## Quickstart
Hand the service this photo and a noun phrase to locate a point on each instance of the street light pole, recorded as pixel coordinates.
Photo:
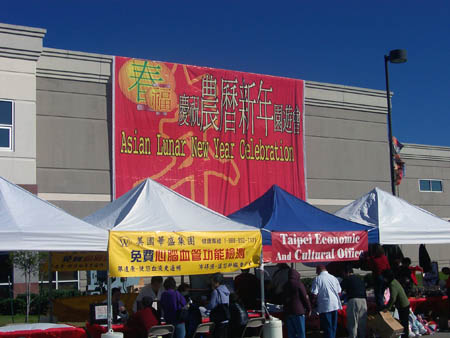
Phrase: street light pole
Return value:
(395, 56)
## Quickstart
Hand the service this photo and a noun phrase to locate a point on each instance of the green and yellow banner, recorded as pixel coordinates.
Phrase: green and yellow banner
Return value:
(138, 254)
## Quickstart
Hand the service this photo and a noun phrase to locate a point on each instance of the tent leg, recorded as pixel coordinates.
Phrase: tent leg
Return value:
(262, 287)
(50, 289)
(109, 300)
(11, 296)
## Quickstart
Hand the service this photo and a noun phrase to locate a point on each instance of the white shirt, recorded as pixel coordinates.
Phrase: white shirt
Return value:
(147, 291)
(327, 289)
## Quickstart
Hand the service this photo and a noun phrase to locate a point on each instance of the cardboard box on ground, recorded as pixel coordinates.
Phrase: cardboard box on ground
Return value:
(385, 325)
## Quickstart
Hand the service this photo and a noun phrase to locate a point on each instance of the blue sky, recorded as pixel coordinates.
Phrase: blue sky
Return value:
(340, 42)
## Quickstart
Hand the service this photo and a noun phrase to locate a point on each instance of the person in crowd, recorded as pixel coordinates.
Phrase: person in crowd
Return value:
(247, 288)
(172, 302)
(296, 305)
(141, 321)
(153, 290)
(412, 269)
(238, 317)
(431, 278)
(184, 288)
(396, 267)
(446, 271)
(378, 263)
(119, 310)
(194, 316)
(279, 279)
(120, 313)
(355, 290)
(326, 291)
(398, 299)
(407, 277)
(219, 295)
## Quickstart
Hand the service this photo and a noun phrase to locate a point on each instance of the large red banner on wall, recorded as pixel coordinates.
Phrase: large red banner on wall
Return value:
(219, 137)
(310, 247)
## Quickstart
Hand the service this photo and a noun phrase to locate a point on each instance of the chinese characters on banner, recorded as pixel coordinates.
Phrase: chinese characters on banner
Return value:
(221, 138)
(136, 254)
(74, 261)
(308, 247)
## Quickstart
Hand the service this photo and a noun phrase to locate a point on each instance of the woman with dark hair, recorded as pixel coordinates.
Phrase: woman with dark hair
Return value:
(171, 303)
(378, 263)
(296, 305)
(141, 321)
(398, 299)
(219, 296)
(238, 316)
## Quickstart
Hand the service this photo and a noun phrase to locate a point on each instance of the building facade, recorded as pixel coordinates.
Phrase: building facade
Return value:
(57, 138)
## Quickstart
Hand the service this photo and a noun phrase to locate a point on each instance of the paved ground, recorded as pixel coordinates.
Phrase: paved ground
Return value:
(436, 335)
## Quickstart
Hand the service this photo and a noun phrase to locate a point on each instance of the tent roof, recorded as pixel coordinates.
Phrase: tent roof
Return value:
(398, 221)
(151, 206)
(278, 210)
(30, 223)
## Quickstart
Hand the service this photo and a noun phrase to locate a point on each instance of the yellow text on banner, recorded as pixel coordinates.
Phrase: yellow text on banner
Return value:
(76, 260)
(138, 254)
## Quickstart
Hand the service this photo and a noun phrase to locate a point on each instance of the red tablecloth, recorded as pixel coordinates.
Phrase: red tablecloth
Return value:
(67, 332)
(251, 314)
(437, 304)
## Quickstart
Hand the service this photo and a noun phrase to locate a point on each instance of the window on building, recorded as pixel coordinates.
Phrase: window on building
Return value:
(430, 185)
(67, 280)
(6, 125)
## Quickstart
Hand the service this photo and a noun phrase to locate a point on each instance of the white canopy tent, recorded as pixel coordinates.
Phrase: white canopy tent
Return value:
(151, 206)
(28, 223)
(397, 221)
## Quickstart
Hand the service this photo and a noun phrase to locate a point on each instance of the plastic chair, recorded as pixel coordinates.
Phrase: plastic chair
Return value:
(256, 325)
(204, 329)
(165, 331)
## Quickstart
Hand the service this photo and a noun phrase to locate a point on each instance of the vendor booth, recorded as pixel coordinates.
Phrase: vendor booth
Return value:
(395, 221)
(154, 231)
(295, 231)
(277, 211)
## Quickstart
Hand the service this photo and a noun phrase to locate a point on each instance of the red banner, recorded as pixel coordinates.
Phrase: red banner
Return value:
(318, 246)
(221, 138)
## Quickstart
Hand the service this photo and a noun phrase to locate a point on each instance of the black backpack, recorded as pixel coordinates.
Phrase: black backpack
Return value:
(220, 313)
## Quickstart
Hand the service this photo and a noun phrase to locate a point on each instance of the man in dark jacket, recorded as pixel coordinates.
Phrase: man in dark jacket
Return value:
(296, 305)
(247, 288)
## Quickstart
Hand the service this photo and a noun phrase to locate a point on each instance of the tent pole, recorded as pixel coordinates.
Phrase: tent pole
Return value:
(262, 286)
(109, 300)
(108, 291)
(50, 288)
(11, 297)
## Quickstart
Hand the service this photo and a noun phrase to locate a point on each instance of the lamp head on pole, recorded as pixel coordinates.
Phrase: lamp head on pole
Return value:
(397, 56)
